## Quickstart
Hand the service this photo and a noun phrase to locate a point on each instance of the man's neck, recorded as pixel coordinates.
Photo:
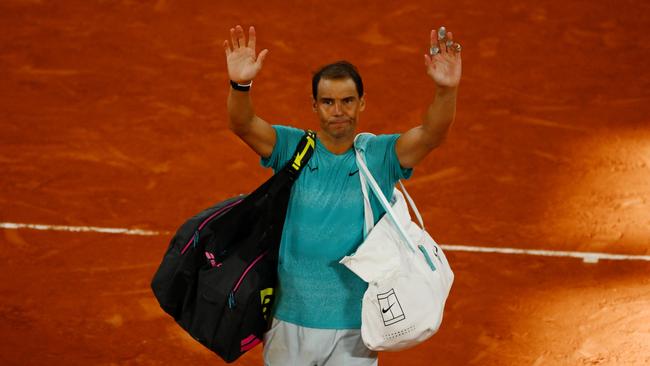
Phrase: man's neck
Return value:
(335, 145)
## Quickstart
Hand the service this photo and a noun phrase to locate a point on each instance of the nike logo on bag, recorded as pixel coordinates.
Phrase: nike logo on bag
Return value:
(385, 310)
(353, 173)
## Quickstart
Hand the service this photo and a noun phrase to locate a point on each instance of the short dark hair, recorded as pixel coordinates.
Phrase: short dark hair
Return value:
(337, 70)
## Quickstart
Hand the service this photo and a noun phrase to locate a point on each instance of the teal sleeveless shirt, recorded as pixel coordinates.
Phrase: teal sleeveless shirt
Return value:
(324, 223)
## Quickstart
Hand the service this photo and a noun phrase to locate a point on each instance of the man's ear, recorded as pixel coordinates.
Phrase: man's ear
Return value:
(314, 105)
(362, 103)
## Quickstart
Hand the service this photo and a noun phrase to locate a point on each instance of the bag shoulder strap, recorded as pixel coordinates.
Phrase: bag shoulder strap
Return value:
(360, 142)
(412, 204)
(367, 177)
(301, 156)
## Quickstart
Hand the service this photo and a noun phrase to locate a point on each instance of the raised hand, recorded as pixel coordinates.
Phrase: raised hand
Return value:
(443, 62)
(243, 63)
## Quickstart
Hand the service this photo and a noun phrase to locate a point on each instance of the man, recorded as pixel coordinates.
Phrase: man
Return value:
(317, 314)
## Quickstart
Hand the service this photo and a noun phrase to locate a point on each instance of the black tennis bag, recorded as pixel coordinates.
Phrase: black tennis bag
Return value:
(218, 276)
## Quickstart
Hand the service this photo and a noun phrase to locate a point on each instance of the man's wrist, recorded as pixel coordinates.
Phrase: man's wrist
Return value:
(241, 87)
(446, 91)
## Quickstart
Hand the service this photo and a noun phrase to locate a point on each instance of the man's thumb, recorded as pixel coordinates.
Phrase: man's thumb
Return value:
(261, 57)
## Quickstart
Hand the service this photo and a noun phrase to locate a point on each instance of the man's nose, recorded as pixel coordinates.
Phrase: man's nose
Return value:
(338, 108)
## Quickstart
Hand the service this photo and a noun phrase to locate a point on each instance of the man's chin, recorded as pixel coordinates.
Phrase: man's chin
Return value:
(340, 130)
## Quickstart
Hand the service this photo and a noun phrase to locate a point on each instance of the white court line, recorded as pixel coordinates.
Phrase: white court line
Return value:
(588, 257)
(95, 229)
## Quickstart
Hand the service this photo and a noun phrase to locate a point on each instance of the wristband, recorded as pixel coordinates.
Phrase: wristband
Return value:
(241, 87)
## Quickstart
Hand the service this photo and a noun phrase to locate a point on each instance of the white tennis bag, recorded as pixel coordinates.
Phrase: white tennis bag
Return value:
(408, 275)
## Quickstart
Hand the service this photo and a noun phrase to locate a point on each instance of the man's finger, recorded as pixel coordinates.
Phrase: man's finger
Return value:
(449, 43)
(241, 38)
(442, 33)
(226, 47)
(441, 39)
(261, 57)
(251, 38)
(434, 48)
(233, 40)
(429, 64)
(453, 47)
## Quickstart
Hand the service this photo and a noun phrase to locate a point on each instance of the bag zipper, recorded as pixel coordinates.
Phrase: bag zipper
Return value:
(231, 296)
(195, 238)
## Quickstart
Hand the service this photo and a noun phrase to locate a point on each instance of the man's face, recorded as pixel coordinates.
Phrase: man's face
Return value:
(338, 106)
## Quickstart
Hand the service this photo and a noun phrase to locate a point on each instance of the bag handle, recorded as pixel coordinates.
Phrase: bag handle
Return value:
(412, 204)
(368, 216)
(363, 169)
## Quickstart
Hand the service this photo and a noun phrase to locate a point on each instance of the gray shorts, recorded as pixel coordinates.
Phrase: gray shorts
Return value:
(289, 344)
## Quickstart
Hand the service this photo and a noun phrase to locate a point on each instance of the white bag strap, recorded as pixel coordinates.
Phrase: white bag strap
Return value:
(417, 213)
(368, 217)
(412, 204)
(363, 169)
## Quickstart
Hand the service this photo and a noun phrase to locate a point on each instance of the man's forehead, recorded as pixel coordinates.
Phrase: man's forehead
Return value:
(337, 88)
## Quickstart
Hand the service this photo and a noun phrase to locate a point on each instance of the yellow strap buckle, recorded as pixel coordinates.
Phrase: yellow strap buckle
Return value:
(297, 162)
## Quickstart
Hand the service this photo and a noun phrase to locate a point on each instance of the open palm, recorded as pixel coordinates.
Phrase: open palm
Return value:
(242, 61)
(445, 65)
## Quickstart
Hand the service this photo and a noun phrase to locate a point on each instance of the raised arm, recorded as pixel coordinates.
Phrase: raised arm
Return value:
(243, 65)
(443, 65)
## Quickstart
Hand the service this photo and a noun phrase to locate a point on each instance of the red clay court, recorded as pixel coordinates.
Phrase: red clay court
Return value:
(113, 116)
